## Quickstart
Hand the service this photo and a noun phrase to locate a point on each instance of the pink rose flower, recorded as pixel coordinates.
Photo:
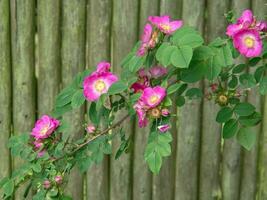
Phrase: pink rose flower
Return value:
(164, 24)
(243, 22)
(248, 42)
(90, 128)
(44, 127)
(148, 40)
(164, 128)
(261, 26)
(158, 71)
(141, 114)
(152, 97)
(98, 82)
(143, 81)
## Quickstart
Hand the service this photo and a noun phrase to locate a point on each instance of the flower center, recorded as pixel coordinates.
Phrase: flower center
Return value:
(153, 99)
(100, 85)
(44, 130)
(166, 27)
(155, 112)
(249, 42)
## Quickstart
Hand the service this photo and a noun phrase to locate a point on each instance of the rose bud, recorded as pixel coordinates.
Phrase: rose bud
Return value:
(46, 184)
(58, 179)
(90, 128)
(165, 112)
(164, 128)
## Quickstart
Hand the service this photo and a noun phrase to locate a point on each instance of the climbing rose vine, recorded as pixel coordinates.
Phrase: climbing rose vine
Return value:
(158, 74)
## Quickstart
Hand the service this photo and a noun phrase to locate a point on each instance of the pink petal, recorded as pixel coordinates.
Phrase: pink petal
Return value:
(246, 19)
(103, 67)
(176, 25)
(233, 29)
(147, 33)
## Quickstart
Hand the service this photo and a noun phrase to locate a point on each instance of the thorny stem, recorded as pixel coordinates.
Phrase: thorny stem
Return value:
(95, 137)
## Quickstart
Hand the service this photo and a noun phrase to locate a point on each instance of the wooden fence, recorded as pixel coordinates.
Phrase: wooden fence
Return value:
(44, 43)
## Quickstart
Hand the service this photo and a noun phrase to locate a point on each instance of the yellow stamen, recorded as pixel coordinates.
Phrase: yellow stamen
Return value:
(153, 99)
(100, 85)
(166, 27)
(249, 41)
(44, 130)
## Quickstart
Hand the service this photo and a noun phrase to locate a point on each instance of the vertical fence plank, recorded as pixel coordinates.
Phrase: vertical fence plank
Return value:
(189, 123)
(249, 159)
(164, 183)
(260, 9)
(209, 184)
(73, 61)
(5, 87)
(98, 41)
(23, 80)
(48, 71)
(125, 26)
(231, 162)
(142, 186)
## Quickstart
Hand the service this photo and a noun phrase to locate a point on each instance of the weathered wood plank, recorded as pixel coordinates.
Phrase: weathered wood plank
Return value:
(164, 183)
(231, 162)
(209, 184)
(73, 61)
(48, 70)
(124, 36)
(188, 123)
(98, 48)
(23, 78)
(142, 177)
(260, 9)
(5, 87)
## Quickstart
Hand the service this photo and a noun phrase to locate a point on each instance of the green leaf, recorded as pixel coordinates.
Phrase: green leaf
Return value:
(247, 80)
(250, 120)
(254, 61)
(77, 99)
(246, 138)
(160, 51)
(192, 39)
(154, 162)
(181, 56)
(263, 86)
(244, 109)
(173, 88)
(224, 115)
(259, 73)
(194, 73)
(117, 88)
(8, 188)
(180, 101)
(136, 63)
(230, 128)
(239, 68)
(233, 82)
(93, 114)
(167, 54)
(65, 96)
(194, 92)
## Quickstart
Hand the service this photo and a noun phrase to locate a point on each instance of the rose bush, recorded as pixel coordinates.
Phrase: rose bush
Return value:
(158, 73)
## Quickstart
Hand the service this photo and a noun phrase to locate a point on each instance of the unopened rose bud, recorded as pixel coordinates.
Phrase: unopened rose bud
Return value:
(38, 144)
(164, 128)
(58, 179)
(165, 112)
(214, 87)
(41, 153)
(46, 184)
(90, 128)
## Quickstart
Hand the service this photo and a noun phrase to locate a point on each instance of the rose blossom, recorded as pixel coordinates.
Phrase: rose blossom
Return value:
(152, 97)
(98, 82)
(164, 24)
(58, 179)
(46, 184)
(44, 127)
(165, 112)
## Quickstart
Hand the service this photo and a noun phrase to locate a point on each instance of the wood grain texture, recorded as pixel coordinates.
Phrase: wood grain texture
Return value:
(23, 78)
(5, 87)
(98, 49)
(260, 6)
(187, 155)
(124, 36)
(164, 183)
(142, 177)
(232, 179)
(209, 184)
(48, 70)
(73, 61)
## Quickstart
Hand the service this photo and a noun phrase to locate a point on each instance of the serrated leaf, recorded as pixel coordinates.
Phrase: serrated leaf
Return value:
(246, 138)
(224, 115)
(230, 128)
(182, 56)
(78, 99)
